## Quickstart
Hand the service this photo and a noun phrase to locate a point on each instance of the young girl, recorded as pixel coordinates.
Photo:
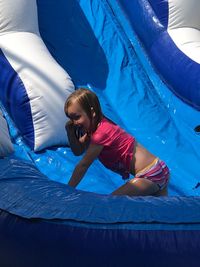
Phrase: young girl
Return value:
(91, 132)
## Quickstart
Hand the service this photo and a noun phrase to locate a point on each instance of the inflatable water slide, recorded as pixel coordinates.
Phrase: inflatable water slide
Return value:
(142, 60)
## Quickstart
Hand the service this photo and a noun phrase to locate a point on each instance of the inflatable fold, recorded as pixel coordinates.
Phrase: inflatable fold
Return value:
(170, 33)
(33, 85)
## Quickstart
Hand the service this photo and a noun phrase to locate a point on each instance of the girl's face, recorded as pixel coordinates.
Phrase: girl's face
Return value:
(79, 117)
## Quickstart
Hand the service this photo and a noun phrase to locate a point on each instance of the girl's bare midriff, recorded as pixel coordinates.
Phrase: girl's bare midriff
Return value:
(141, 159)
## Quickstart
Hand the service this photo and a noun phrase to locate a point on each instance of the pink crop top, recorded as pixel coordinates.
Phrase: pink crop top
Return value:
(118, 147)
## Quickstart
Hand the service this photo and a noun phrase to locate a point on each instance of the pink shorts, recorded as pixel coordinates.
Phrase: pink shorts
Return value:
(156, 172)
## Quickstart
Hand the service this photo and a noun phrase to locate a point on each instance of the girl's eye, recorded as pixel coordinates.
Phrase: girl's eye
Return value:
(75, 117)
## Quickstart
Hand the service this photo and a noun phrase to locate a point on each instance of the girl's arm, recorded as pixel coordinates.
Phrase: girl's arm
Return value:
(91, 154)
(78, 144)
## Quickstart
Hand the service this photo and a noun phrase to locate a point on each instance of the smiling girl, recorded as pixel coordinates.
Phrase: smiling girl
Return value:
(91, 132)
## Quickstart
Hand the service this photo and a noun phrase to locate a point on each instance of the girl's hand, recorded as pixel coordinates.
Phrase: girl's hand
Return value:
(84, 138)
(77, 131)
(78, 139)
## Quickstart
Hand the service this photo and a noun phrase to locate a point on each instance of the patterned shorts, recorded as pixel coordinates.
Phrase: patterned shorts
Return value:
(156, 172)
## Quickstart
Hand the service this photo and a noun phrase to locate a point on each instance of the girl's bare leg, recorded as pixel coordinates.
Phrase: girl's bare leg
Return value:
(140, 187)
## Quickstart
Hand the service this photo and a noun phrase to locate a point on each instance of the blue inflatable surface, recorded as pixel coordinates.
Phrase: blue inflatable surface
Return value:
(108, 57)
(97, 44)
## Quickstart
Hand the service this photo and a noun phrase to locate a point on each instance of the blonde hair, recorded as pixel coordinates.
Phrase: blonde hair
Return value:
(88, 102)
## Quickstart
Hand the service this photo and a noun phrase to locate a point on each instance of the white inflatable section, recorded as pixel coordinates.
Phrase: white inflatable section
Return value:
(18, 16)
(184, 26)
(6, 146)
(46, 83)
